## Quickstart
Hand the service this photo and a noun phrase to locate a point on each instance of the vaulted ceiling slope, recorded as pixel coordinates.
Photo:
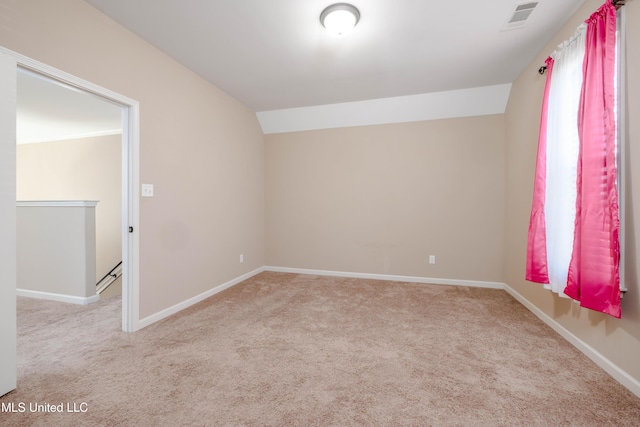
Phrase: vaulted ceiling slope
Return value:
(274, 55)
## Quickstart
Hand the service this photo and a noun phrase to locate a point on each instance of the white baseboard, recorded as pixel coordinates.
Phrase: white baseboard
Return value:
(607, 365)
(58, 297)
(389, 277)
(194, 300)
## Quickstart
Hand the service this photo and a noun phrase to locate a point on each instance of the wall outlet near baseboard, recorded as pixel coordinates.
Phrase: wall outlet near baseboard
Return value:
(432, 259)
(241, 258)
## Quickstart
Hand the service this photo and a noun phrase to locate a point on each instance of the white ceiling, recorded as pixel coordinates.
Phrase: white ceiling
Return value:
(406, 60)
(274, 54)
(51, 111)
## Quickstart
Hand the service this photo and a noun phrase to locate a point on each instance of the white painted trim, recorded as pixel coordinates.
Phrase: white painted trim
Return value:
(64, 77)
(131, 218)
(82, 135)
(57, 203)
(598, 358)
(477, 101)
(194, 300)
(8, 355)
(58, 297)
(388, 277)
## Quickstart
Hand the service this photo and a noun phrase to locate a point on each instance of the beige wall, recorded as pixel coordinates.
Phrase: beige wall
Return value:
(618, 340)
(381, 199)
(202, 149)
(374, 199)
(79, 169)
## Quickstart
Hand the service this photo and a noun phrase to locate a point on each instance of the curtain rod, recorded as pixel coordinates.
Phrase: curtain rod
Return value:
(617, 3)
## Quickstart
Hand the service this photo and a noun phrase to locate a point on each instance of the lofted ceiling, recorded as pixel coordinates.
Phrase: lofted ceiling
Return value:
(406, 60)
(274, 54)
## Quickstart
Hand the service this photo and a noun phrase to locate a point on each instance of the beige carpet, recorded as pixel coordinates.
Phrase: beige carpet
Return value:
(285, 349)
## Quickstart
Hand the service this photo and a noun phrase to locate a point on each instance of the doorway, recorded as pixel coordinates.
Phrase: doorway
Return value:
(10, 62)
(69, 153)
(130, 173)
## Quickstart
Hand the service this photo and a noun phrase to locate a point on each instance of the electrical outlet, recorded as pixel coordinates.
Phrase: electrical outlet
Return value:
(432, 259)
(147, 190)
(241, 259)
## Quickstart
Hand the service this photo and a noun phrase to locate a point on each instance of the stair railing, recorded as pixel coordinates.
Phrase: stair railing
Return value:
(109, 278)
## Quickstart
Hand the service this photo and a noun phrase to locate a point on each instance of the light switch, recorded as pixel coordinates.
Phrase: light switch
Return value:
(147, 190)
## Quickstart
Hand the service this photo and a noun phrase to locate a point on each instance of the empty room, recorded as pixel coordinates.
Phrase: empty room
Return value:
(365, 213)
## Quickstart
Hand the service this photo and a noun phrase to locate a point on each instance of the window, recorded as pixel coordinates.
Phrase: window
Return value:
(574, 232)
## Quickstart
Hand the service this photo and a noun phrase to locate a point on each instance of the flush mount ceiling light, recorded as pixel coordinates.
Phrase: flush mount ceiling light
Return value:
(340, 18)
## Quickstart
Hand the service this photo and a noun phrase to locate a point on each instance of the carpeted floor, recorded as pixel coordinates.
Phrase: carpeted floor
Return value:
(293, 350)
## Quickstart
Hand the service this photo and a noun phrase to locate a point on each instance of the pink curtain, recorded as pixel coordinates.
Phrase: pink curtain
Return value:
(592, 274)
(594, 277)
(537, 240)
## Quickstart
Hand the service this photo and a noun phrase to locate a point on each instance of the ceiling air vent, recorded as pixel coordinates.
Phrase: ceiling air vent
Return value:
(520, 15)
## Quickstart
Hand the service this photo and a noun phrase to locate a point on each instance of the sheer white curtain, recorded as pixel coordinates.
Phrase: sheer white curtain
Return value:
(562, 157)
(573, 243)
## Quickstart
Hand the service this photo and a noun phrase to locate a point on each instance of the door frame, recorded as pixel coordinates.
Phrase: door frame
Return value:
(130, 179)
(8, 87)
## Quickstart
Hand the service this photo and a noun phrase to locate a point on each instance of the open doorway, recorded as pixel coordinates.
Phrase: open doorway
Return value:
(69, 163)
(10, 62)
(130, 172)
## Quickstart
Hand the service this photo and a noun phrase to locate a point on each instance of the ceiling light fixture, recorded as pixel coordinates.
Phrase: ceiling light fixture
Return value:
(340, 18)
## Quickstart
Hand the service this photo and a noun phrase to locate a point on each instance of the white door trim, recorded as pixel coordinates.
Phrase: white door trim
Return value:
(8, 85)
(130, 180)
